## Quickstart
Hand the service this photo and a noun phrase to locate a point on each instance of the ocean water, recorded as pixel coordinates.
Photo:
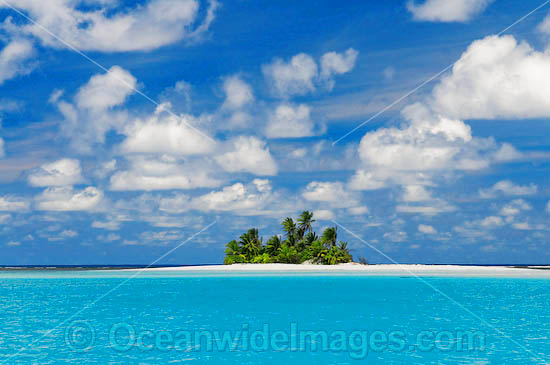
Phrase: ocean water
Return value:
(113, 318)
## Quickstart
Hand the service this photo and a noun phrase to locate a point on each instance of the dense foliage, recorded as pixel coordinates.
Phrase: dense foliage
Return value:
(300, 244)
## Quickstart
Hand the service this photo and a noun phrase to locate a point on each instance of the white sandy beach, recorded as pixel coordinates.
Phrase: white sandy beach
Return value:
(357, 269)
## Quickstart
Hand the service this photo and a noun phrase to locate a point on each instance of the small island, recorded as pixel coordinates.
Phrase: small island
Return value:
(301, 245)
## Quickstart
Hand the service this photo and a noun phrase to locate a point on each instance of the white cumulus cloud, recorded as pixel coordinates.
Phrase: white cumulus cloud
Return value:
(58, 173)
(506, 187)
(16, 58)
(323, 215)
(248, 154)
(544, 26)
(447, 10)
(162, 173)
(290, 121)
(295, 77)
(67, 199)
(514, 208)
(144, 27)
(104, 91)
(94, 111)
(496, 77)
(426, 229)
(255, 198)
(333, 63)
(237, 93)
(166, 133)
(334, 194)
(13, 203)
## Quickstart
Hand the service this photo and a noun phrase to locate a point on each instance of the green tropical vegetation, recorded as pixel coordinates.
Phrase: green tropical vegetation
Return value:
(298, 244)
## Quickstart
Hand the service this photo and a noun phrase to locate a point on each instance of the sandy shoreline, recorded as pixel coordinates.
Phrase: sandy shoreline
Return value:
(356, 269)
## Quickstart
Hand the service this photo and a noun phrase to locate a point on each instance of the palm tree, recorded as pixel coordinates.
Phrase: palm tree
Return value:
(305, 242)
(273, 245)
(305, 221)
(288, 255)
(232, 248)
(233, 253)
(329, 236)
(310, 238)
(343, 246)
(345, 256)
(317, 251)
(290, 229)
(251, 245)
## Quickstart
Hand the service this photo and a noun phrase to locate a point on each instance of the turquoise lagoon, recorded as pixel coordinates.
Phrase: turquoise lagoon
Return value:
(108, 317)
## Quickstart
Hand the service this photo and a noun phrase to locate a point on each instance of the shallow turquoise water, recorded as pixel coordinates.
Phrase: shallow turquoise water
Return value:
(90, 317)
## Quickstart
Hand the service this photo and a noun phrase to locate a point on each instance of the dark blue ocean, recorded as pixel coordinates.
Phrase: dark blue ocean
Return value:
(155, 318)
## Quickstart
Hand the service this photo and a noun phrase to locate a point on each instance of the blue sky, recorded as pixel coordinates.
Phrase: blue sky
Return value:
(127, 127)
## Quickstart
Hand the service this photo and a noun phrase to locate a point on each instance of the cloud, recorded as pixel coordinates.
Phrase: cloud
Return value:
(58, 173)
(323, 215)
(179, 96)
(5, 218)
(426, 144)
(248, 154)
(256, 198)
(420, 201)
(2, 152)
(290, 121)
(13, 204)
(496, 77)
(94, 111)
(67, 199)
(490, 222)
(165, 133)
(389, 73)
(480, 228)
(110, 29)
(111, 237)
(434, 139)
(544, 26)
(447, 10)
(365, 180)
(295, 77)
(106, 168)
(333, 63)
(506, 187)
(16, 59)
(63, 235)
(523, 226)
(162, 237)
(104, 91)
(193, 222)
(398, 236)
(175, 204)
(514, 208)
(163, 173)
(300, 75)
(415, 193)
(112, 225)
(332, 193)
(434, 207)
(426, 229)
(361, 210)
(414, 153)
(237, 93)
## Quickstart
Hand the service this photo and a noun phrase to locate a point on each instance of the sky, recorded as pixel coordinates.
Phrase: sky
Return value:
(129, 128)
